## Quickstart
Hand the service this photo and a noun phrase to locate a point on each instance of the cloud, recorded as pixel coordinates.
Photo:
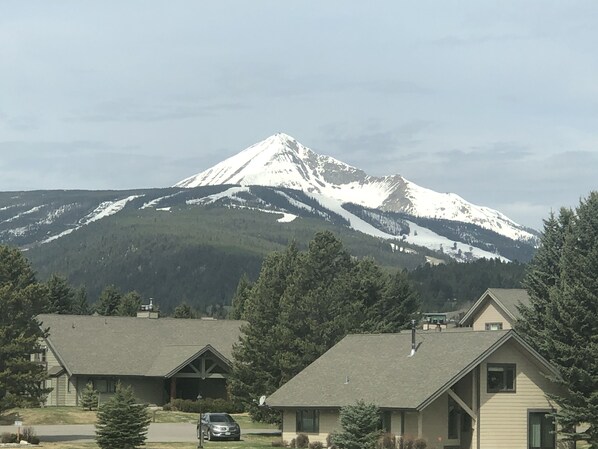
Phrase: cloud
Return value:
(132, 110)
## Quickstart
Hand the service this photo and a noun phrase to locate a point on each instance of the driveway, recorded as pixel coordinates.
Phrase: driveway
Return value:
(157, 433)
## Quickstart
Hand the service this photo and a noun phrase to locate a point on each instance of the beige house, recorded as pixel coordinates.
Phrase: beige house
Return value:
(161, 358)
(458, 389)
(497, 308)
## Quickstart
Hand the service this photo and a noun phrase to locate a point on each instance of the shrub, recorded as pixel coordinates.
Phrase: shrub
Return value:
(420, 444)
(293, 443)
(28, 434)
(167, 407)
(8, 438)
(387, 441)
(205, 406)
(302, 441)
(316, 445)
(279, 443)
(330, 441)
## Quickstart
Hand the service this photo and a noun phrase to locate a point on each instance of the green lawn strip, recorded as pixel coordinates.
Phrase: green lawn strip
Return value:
(250, 441)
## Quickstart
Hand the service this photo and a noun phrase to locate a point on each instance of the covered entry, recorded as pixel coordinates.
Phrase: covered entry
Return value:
(204, 373)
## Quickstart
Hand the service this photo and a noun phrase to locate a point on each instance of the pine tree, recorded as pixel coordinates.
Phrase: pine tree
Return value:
(240, 298)
(60, 295)
(255, 371)
(122, 424)
(129, 304)
(360, 424)
(80, 304)
(89, 397)
(563, 288)
(543, 274)
(183, 310)
(21, 300)
(109, 301)
(399, 305)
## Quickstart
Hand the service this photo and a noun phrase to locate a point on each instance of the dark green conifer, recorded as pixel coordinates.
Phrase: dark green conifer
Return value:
(109, 301)
(60, 295)
(89, 397)
(360, 425)
(122, 423)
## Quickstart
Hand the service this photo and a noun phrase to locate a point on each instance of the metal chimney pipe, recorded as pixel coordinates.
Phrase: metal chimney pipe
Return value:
(412, 338)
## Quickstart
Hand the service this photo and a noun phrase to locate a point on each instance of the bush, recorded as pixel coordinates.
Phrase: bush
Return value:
(293, 443)
(330, 441)
(8, 438)
(387, 441)
(167, 407)
(204, 406)
(316, 445)
(420, 444)
(302, 441)
(279, 443)
(28, 434)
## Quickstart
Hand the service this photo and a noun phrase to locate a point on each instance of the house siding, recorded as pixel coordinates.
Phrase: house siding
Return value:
(491, 313)
(504, 416)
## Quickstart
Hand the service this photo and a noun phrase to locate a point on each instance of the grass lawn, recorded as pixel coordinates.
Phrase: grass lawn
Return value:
(250, 441)
(75, 415)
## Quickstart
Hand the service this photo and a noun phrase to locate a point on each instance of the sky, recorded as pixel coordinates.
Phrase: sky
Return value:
(494, 101)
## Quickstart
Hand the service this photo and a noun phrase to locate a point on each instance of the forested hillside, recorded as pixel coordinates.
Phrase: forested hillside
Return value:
(195, 255)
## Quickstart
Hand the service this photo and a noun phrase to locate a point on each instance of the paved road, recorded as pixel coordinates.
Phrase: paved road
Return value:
(158, 432)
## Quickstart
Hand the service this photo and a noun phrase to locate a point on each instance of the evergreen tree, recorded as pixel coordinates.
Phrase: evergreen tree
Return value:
(122, 424)
(109, 301)
(183, 310)
(361, 427)
(254, 369)
(61, 296)
(89, 397)
(80, 304)
(542, 275)
(129, 304)
(399, 305)
(566, 315)
(239, 300)
(21, 300)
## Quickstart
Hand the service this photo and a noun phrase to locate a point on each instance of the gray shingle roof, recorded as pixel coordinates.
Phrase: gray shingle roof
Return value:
(129, 346)
(507, 299)
(379, 370)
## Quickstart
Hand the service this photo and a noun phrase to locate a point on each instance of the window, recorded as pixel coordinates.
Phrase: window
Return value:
(493, 326)
(308, 421)
(454, 412)
(104, 385)
(501, 378)
(541, 431)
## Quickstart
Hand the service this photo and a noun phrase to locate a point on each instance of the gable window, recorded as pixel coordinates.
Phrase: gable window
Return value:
(308, 421)
(501, 378)
(493, 326)
(541, 431)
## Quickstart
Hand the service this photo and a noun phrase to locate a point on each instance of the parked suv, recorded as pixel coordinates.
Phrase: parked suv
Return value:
(218, 426)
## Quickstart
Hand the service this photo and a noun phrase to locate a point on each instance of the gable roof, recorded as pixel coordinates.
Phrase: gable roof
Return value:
(378, 369)
(130, 346)
(507, 299)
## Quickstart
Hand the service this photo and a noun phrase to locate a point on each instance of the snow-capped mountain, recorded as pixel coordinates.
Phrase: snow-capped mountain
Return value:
(281, 161)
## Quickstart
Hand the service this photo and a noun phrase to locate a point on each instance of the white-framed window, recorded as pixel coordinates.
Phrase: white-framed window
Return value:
(493, 326)
(501, 377)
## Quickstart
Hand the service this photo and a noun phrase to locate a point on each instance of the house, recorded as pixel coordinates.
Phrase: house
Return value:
(455, 389)
(160, 358)
(497, 308)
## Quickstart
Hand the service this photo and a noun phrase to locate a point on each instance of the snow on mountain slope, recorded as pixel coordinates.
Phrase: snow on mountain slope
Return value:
(281, 161)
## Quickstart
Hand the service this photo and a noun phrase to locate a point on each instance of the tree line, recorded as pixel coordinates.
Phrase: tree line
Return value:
(303, 303)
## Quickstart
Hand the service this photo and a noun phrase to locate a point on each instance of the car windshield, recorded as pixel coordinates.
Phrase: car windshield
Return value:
(221, 417)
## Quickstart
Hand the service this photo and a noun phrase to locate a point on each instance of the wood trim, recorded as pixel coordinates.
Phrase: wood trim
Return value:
(462, 404)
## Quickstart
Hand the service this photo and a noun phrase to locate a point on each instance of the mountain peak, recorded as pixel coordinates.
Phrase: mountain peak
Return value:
(281, 161)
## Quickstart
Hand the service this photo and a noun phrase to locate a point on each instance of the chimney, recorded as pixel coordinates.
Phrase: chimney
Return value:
(412, 338)
(148, 310)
